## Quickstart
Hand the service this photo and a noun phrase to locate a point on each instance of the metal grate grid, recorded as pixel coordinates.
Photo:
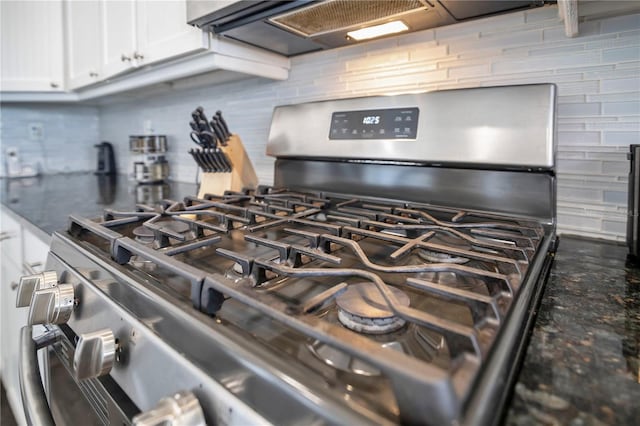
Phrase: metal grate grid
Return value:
(509, 245)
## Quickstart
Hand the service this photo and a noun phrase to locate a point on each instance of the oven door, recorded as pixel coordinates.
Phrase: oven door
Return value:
(51, 393)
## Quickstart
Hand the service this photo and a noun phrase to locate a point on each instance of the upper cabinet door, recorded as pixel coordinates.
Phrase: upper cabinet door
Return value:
(84, 42)
(31, 44)
(118, 36)
(163, 31)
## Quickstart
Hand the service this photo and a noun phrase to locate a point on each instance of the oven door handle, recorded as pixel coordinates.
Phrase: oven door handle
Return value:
(34, 399)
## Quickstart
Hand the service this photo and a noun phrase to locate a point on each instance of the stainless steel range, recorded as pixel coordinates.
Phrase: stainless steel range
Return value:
(389, 276)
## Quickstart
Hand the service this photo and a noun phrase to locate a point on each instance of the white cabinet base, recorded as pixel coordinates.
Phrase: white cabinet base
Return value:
(18, 247)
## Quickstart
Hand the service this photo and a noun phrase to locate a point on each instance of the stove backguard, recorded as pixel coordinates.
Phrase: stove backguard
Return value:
(529, 195)
(490, 148)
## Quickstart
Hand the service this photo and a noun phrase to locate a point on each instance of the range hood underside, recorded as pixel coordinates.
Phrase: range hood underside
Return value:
(311, 26)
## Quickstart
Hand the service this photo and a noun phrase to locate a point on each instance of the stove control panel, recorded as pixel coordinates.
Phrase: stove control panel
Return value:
(182, 408)
(30, 283)
(394, 123)
(49, 302)
(95, 354)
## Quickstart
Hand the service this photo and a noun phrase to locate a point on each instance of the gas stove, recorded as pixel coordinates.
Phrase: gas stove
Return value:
(390, 275)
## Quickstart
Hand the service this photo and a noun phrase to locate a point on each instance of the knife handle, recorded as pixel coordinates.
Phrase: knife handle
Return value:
(217, 128)
(223, 123)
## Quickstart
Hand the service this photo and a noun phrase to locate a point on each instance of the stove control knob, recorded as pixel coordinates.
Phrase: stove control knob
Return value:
(30, 283)
(95, 354)
(51, 305)
(181, 409)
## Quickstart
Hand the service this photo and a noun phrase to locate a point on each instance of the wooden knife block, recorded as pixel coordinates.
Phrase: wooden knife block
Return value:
(242, 174)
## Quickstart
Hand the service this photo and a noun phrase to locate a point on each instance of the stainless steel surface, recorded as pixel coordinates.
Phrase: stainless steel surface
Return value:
(145, 144)
(34, 399)
(51, 305)
(180, 409)
(95, 354)
(30, 268)
(510, 192)
(30, 283)
(97, 401)
(151, 172)
(509, 126)
(503, 365)
(160, 333)
(359, 290)
(347, 226)
(301, 26)
(633, 201)
(152, 193)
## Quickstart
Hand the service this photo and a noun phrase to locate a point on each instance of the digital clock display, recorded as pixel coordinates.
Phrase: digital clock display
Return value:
(394, 123)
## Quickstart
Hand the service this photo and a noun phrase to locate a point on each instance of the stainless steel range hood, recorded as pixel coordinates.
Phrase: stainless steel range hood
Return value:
(301, 26)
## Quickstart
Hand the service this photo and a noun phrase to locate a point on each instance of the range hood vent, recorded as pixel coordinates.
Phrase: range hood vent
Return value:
(329, 16)
(300, 26)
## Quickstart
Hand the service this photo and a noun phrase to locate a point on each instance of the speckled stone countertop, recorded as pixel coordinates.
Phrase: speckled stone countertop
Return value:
(47, 201)
(582, 365)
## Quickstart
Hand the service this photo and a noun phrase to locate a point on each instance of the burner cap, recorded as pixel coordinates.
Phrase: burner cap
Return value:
(363, 309)
(173, 225)
(167, 225)
(439, 257)
(143, 235)
(143, 232)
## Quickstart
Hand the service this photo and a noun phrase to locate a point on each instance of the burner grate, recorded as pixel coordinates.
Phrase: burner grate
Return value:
(284, 237)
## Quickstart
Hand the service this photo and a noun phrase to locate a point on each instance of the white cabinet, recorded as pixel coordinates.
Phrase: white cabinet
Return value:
(109, 37)
(31, 45)
(12, 320)
(10, 256)
(19, 249)
(83, 42)
(118, 36)
(112, 46)
(35, 252)
(163, 31)
(10, 237)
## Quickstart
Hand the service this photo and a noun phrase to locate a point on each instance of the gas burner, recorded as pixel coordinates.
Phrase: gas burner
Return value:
(170, 225)
(416, 341)
(344, 362)
(143, 235)
(362, 308)
(235, 272)
(156, 234)
(438, 257)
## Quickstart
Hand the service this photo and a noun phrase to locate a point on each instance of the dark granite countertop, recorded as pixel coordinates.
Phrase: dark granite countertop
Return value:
(47, 201)
(582, 365)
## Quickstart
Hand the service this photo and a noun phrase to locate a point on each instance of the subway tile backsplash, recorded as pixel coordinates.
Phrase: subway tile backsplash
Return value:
(66, 143)
(597, 74)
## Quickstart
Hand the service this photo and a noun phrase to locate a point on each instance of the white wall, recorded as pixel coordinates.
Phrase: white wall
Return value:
(69, 133)
(597, 73)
